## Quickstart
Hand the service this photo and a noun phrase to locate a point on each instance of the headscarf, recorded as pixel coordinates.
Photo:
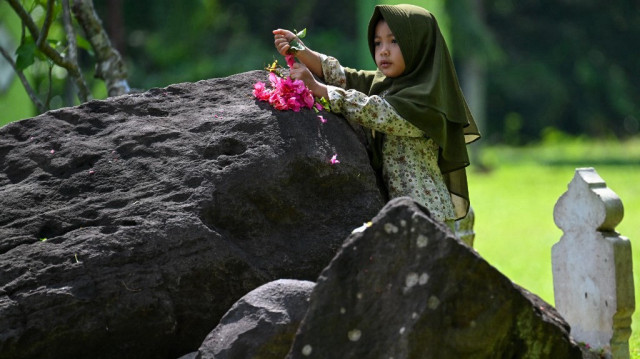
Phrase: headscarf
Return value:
(427, 93)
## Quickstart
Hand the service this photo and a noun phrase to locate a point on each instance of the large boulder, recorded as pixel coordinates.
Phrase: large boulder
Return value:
(405, 287)
(130, 225)
(261, 325)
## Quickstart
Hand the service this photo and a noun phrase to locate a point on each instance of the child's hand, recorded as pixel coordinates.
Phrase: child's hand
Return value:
(300, 72)
(282, 38)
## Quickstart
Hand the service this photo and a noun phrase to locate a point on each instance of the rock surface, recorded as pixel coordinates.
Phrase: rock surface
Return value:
(260, 325)
(406, 288)
(130, 225)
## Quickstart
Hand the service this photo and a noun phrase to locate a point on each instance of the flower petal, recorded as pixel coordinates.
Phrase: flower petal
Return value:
(291, 59)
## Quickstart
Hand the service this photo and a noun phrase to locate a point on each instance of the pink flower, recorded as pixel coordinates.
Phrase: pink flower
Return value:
(285, 93)
(308, 99)
(273, 79)
(293, 104)
(291, 59)
(334, 159)
(322, 119)
(259, 90)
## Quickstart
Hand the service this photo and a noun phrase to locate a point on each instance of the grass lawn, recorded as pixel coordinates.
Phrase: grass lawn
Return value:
(514, 202)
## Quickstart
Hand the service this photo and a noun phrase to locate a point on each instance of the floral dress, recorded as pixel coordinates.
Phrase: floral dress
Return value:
(410, 158)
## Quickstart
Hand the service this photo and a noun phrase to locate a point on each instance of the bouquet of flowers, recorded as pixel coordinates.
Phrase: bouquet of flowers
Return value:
(286, 93)
(289, 94)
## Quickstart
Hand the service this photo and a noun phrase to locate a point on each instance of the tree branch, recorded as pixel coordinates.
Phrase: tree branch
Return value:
(32, 94)
(110, 66)
(83, 90)
(44, 31)
(25, 17)
(50, 90)
(72, 68)
(71, 34)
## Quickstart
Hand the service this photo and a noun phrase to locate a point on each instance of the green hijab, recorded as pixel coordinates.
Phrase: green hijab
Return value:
(427, 94)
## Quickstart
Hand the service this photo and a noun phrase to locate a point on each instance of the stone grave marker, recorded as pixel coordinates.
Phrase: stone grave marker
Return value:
(592, 265)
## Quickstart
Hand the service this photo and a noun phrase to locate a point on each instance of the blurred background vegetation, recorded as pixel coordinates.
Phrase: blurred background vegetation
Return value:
(529, 68)
(553, 85)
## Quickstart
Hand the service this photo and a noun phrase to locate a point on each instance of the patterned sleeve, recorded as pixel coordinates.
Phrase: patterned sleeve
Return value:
(333, 72)
(370, 111)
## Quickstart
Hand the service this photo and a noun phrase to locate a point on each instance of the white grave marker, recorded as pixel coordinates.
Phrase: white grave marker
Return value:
(592, 269)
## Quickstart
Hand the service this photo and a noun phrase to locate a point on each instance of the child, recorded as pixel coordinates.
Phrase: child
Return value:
(413, 104)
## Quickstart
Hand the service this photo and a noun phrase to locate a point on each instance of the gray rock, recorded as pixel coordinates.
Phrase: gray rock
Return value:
(405, 287)
(261, 324)
(129, 225)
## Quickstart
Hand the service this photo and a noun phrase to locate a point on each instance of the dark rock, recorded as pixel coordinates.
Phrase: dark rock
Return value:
(160, 210)
(262, 324)
(405, 287)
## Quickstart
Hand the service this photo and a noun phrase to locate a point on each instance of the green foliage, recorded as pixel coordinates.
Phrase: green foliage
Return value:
(295, 44)
(51, 83)
(570, 68)
(84, 44)
(223, 37)
(26, 54)
(567, 65)
(470, 36)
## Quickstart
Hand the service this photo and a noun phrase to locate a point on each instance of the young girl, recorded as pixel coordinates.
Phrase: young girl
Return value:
(413, 104)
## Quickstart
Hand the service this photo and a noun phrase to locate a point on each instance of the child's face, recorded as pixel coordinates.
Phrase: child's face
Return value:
(388, 55)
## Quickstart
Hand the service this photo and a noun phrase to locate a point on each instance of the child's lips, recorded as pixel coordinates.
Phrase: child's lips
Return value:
(385, 64)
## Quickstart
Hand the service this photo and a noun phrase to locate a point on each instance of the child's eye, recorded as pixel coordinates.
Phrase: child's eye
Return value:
(376, 43)
(394, 41)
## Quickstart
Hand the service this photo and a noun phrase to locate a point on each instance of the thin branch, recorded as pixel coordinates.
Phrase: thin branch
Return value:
(23, 32)
(32, 94)
(110, 66)
(84, 93)
(71, 34)
(50, 90)
(25, 17)
(72, 68)
(44, 31)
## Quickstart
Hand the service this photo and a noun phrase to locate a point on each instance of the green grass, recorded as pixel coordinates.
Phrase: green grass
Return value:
(514, 202)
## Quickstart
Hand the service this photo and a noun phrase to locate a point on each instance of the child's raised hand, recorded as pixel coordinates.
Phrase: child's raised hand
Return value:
(281, 39)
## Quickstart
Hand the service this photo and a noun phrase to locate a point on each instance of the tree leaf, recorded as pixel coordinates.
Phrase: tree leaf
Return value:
(26, 54)
(84, 44)
(295, 44)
